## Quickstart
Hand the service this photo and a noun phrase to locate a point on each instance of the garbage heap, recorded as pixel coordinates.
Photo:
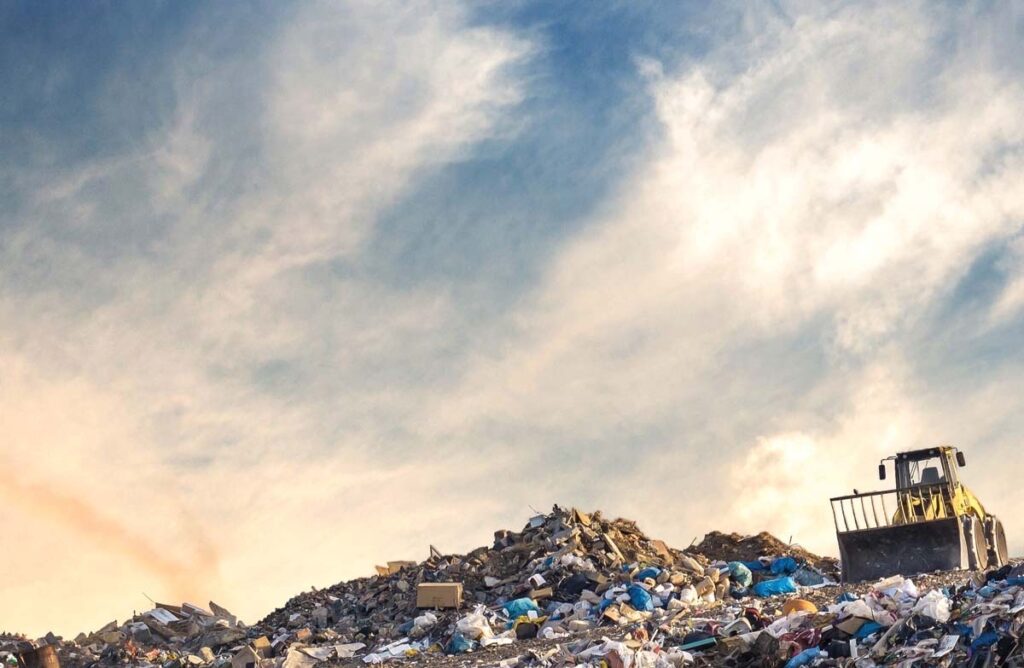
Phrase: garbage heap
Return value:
(181, 635)
(949, 619)
(574, 588)
(734, 547)
(567, 572)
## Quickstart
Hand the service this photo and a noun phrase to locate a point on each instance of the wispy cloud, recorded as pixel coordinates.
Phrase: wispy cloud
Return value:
(758, 287)
(187, 330)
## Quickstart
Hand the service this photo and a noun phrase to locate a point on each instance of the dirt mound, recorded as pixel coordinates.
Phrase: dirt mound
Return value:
(734, 547)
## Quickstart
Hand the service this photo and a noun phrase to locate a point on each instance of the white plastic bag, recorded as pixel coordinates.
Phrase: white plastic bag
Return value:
(475, 626)
(933, 605)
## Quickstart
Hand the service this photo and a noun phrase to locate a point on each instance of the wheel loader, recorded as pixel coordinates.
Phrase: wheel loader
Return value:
(929, 522)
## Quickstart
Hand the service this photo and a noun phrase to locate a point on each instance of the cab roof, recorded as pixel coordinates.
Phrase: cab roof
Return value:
(924, 453)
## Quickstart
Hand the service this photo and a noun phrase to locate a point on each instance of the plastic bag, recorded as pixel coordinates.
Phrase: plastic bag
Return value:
(804, 658)
(933, 605)
(775, 587)
(519, 607)
(640, 598)
(866, 629)
(857, 608)
(649, 572)
(784, 566)
(458, 644)
(574, 585)
(740, 574)
(475, 625)
(807, 577)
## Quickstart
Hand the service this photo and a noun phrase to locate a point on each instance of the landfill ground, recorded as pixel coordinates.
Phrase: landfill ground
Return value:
(574, 588)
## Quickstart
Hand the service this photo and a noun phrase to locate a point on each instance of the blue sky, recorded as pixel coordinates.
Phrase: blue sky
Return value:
(289, 289)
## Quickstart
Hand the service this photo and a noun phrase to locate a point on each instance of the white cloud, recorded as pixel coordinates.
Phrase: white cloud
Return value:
(134, 425)
(825, 183)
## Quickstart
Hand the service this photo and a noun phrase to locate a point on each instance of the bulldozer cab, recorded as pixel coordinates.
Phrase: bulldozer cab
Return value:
(927, 486)
(927, 521)
(932, 466)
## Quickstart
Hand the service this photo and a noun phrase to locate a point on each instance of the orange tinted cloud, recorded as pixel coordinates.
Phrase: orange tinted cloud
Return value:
(183, 580)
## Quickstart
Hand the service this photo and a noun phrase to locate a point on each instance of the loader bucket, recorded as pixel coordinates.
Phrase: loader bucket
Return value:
(905, 549)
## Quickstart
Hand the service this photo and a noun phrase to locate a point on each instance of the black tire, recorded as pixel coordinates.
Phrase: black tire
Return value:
(995, 539)
(977, 550)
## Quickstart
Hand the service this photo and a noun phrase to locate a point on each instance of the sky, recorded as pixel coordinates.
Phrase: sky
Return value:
(288, 289)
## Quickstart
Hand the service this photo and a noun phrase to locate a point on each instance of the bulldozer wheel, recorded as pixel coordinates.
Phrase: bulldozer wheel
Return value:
(977, 550)
(995, 537)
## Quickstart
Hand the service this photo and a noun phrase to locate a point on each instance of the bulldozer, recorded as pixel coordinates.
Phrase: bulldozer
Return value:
(929, 522)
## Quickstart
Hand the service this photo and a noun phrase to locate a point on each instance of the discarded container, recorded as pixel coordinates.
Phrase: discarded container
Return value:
(439, 595)
(396, 566)
(798, 605)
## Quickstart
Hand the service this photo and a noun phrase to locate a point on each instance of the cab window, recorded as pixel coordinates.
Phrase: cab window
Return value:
(922, 472)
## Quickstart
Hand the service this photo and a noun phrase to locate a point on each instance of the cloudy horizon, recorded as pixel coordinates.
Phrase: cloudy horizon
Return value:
(290, 289)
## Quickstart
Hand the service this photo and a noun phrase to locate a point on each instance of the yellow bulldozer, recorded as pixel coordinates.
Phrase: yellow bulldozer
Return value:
(929, 522)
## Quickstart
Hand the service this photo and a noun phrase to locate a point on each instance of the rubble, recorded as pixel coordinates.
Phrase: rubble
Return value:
(734, 547)
(574, 588)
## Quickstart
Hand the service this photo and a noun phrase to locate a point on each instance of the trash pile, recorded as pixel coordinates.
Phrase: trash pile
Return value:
(565, 573)
(574, 588)
(168, 634)
(734, 547)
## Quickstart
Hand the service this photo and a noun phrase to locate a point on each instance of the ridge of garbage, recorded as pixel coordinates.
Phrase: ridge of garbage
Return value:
(574, 588)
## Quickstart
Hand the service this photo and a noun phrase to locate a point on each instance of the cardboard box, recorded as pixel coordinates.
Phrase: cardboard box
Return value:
(540, 594)
(439, 595)
(262, 647)
(395, 566)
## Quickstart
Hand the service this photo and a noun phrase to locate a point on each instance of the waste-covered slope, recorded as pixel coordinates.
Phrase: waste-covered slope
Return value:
(576, 588)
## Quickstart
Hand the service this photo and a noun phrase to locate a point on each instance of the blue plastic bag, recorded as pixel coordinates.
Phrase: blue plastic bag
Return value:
(519, 607)
(804, 658)
(649, 572)
(757, 565)
(984, 640)
(775, 587)
(458, 644)
(640, 599)
(740, 574)
(784, 566)
(846, 596)
(866, 629)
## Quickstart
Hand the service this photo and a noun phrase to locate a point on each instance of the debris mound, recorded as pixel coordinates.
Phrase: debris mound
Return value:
(575, 588)
(734, 547)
